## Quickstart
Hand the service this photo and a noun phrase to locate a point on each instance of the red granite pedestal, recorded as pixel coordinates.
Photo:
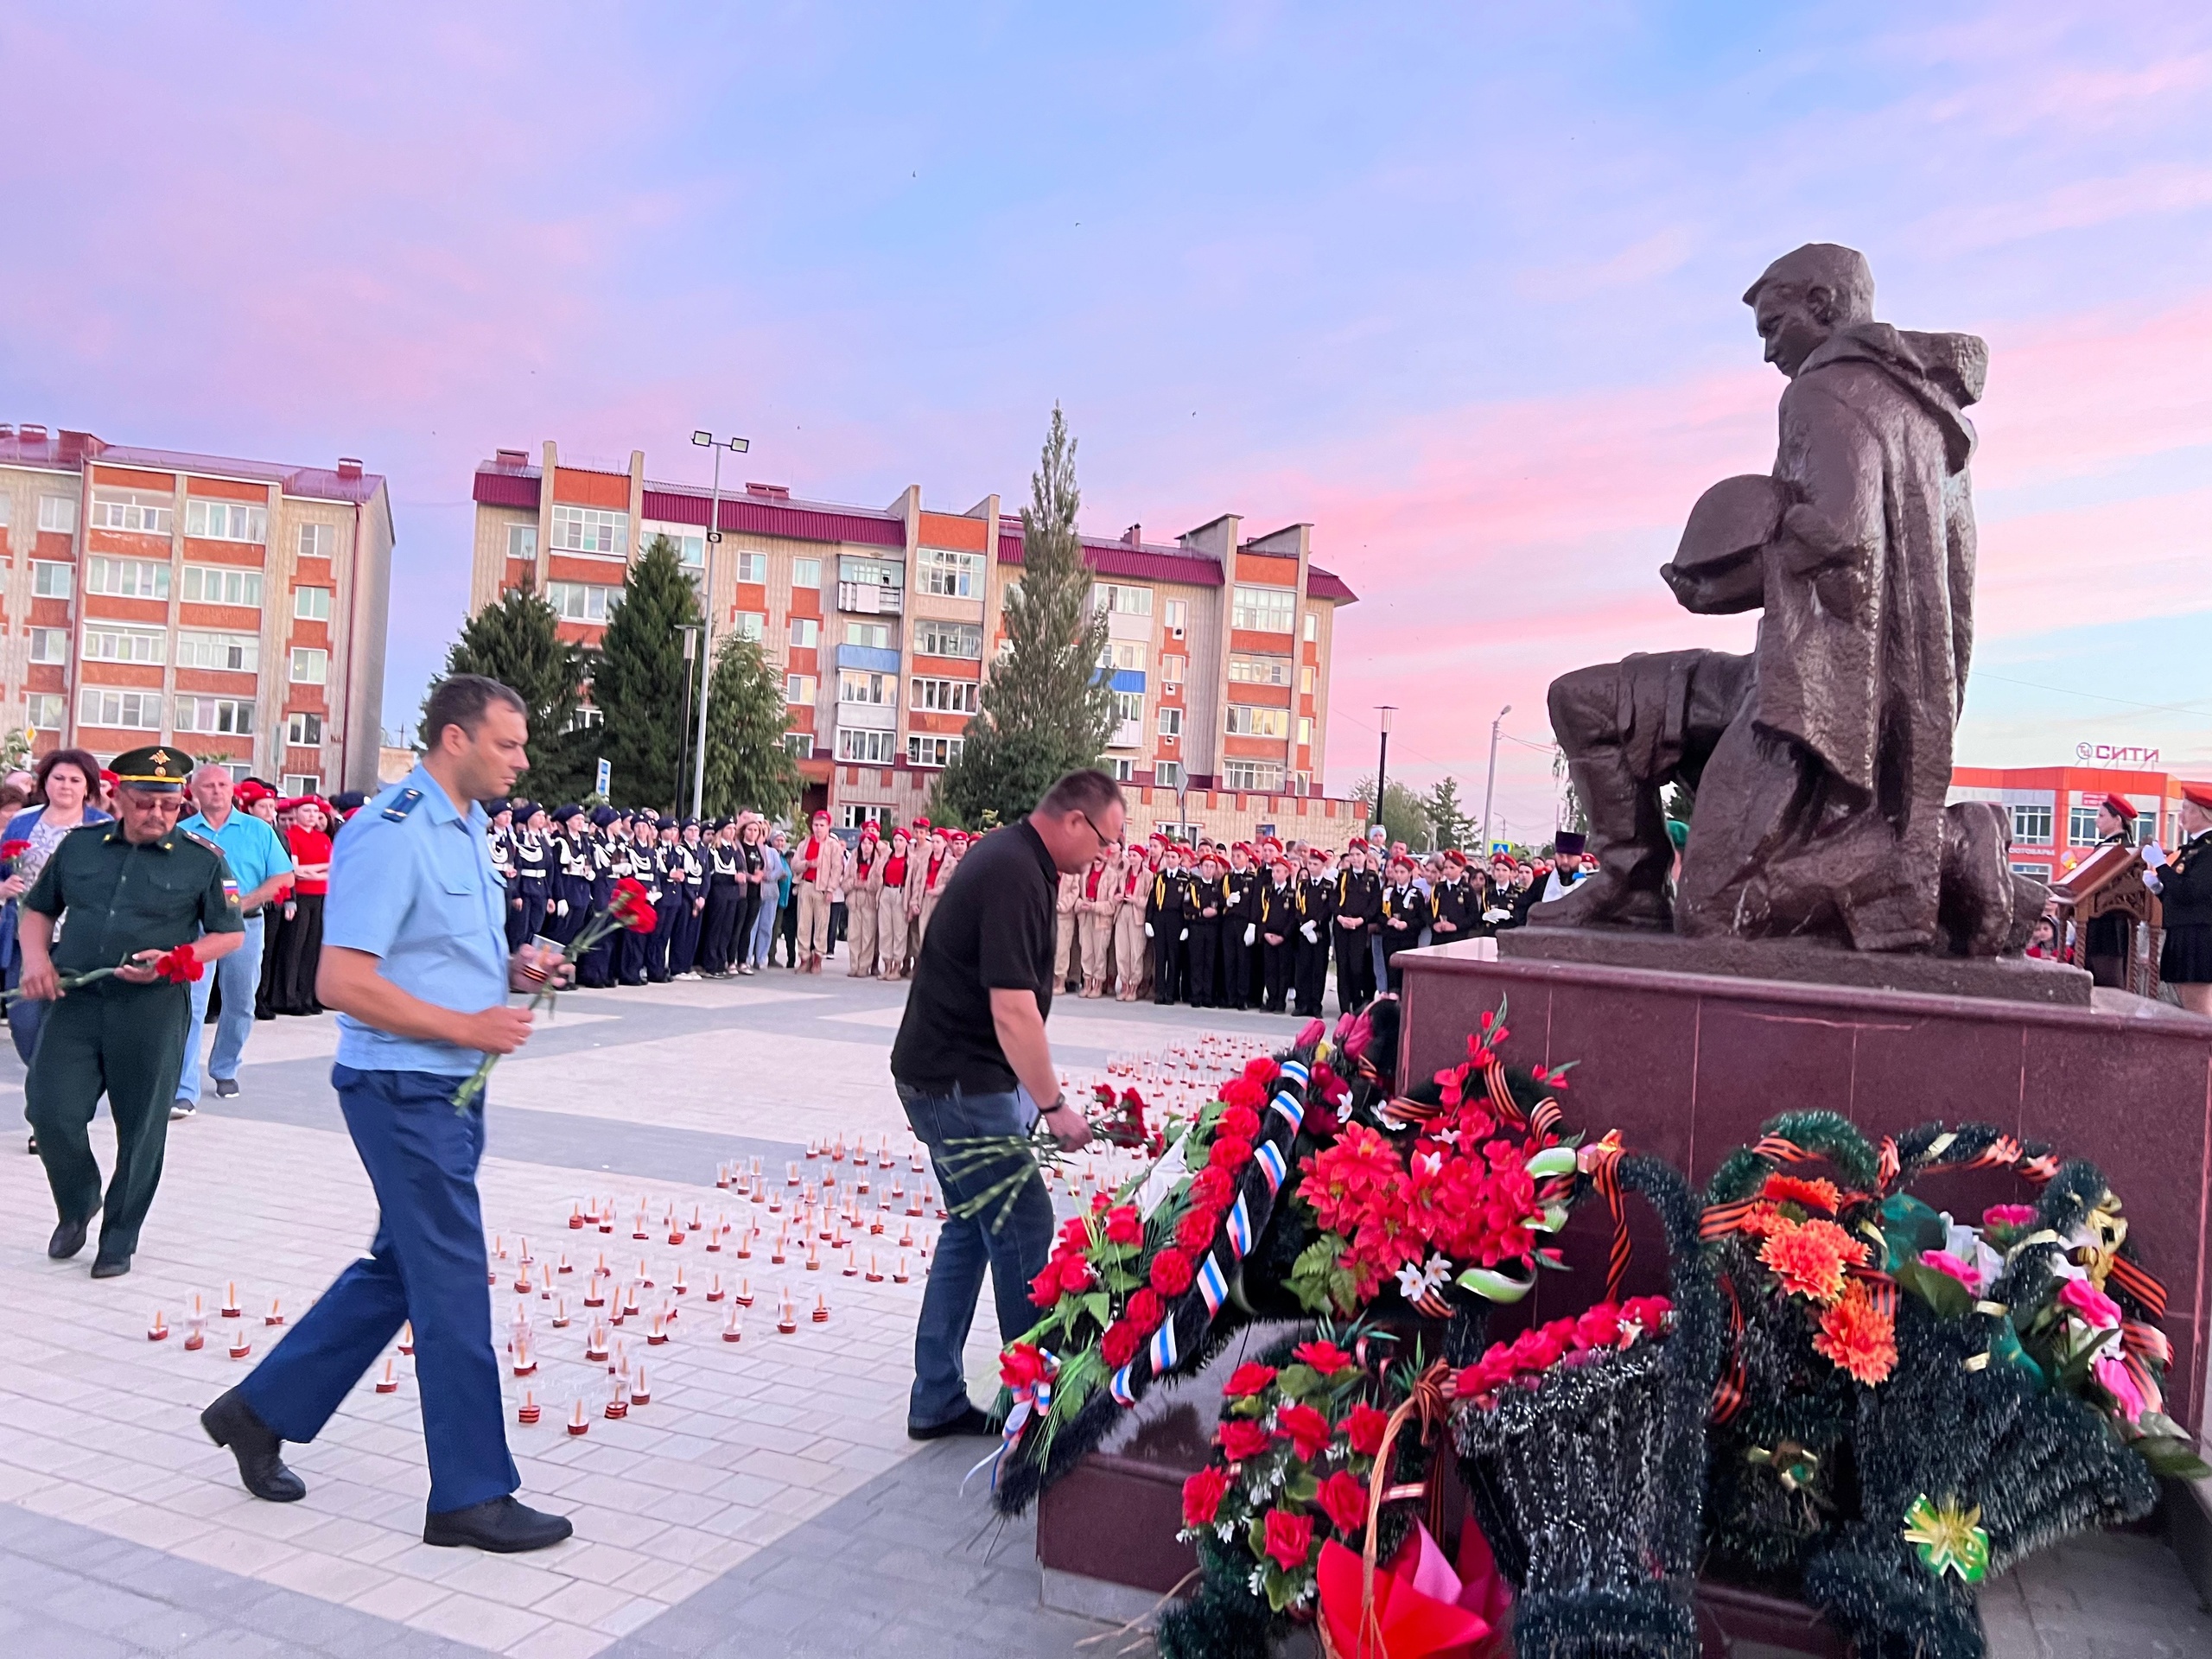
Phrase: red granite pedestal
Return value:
(1688, 1066)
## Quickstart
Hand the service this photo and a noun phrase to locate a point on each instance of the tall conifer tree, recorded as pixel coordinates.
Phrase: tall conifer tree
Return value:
(638, 677)
(748, 765)
(1047, 706)
(517, 643)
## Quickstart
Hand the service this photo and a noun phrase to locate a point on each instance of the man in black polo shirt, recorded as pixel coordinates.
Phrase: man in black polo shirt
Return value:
(971, 1058)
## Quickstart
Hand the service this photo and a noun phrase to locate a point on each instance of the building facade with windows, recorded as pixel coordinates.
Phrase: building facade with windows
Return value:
(884, 622)
(2053, 809)
(234, 609)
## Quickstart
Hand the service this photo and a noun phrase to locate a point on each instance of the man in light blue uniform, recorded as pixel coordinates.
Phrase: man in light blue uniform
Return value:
(414, 960)
(259, 863)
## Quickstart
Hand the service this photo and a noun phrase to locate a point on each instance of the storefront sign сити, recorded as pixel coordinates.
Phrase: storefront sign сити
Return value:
(2114, 755)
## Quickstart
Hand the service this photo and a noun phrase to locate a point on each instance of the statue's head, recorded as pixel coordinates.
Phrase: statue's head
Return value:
(1803, 297)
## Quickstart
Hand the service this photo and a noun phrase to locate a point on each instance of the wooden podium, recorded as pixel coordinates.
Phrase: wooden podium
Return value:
(2109, 883)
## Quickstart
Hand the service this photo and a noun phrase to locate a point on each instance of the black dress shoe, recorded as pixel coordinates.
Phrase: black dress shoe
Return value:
(231, 1423)
(970, 1421)
(68, 1238)
(111, 1267)
(501, 1525)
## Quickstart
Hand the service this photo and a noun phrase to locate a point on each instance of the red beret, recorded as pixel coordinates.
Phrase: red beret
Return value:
(2120, 808)
(2197, 795)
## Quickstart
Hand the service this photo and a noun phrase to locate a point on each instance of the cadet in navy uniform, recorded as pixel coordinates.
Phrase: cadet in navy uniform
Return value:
(596, 966)
(632, 949)
(533, 877)
(1316, 921)
(1166, 920)
(1359, 913)
(570, 887)
(415, 961)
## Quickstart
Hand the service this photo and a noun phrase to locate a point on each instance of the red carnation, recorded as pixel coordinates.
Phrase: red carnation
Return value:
(1211, 1190)
(630, 906)
(1239, 1120)
(1230, 1153)
(181, 966)
(1289, 1538)
(1259, 1068)
(1075, 1275)
(1243, 1091)
(1240, 1440)
(1171, 1273)
(11, 850)
(1307, 1430)
(1249, 1379)
(1124, 1226)
(1343, 1498)
(1119, 1345)
(1044, 1288)
(1195, 1231)
(1202, 1495)
(1364, 1428)
(1324, 1356)
(1146, 1311)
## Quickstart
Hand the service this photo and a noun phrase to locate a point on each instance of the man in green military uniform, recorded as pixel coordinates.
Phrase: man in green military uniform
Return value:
(118, 896)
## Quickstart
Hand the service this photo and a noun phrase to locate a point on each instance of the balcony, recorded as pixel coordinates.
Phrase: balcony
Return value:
(1128, 735)
(868, 598)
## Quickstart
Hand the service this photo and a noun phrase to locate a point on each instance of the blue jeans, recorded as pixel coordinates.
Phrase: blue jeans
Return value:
(25, 1017)
(763, 931)
(426, 1264)
(239, 974)
(1015, 1253)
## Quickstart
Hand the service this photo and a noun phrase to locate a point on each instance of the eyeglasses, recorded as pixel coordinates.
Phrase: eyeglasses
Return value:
(1103, 840)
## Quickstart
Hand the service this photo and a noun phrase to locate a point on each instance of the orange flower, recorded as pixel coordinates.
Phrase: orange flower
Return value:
(1809, 1260)
(1858, 1336)
(1814, 1195)
(1761, 1220)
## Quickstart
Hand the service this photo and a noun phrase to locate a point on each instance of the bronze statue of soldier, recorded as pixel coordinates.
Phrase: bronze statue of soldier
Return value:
(1820, 762)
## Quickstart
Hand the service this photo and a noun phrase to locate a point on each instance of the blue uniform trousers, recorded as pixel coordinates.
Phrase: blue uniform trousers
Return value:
(426, 1264)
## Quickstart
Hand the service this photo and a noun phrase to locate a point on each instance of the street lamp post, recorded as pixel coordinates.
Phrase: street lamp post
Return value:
(1383, 765)
(691, 646)
(736, 445)
(1490, 784)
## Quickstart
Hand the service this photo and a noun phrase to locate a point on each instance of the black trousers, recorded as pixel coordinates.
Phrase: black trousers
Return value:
(1355, 969)
(1278, 961)
(1206, 963)
(787, 926)
(1312, 973)
(1238, 959)
(1166, 961)
(718, 926)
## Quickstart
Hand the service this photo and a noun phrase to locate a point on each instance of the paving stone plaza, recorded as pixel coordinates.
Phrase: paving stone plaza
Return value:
(762, 1500)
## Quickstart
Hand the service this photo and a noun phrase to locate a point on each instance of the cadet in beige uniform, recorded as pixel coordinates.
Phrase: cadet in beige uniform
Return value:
(862, 888)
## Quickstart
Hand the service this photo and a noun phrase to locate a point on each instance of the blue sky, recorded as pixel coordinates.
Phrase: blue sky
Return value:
(1458, 285)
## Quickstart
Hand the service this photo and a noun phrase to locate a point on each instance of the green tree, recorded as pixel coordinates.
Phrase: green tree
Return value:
(517, 643)
(747, 763)
(1047, 706)
(638, 677)
(1447, 821)
(1405, 814)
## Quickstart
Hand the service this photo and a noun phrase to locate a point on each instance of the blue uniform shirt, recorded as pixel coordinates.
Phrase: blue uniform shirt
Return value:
(253, 849)
(412, 882)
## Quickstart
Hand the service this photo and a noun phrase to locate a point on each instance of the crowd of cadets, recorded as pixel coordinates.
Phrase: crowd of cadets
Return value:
(1237, 926)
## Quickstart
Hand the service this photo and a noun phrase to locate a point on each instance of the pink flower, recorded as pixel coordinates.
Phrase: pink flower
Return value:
(2008, 1215)
(2112, 1377)
(2098, 1309)
(1944, 1263)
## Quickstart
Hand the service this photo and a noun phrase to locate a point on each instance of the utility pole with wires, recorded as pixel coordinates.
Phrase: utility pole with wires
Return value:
(1490, 784)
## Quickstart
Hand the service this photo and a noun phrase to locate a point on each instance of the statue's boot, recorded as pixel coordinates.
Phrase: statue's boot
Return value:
(1628, 836)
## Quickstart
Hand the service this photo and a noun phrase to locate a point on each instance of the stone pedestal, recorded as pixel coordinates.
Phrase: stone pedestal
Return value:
(1688, 1065)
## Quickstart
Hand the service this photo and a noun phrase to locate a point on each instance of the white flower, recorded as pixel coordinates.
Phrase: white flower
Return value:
(1415, 1282)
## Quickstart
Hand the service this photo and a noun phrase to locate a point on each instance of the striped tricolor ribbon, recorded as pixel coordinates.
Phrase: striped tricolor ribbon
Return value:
(1295, 1072)
(1120, 1387)
(1239, 1227)
(1212, 1286)
(1162, 1352)
(1292, 1111)
(1269, 1157)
